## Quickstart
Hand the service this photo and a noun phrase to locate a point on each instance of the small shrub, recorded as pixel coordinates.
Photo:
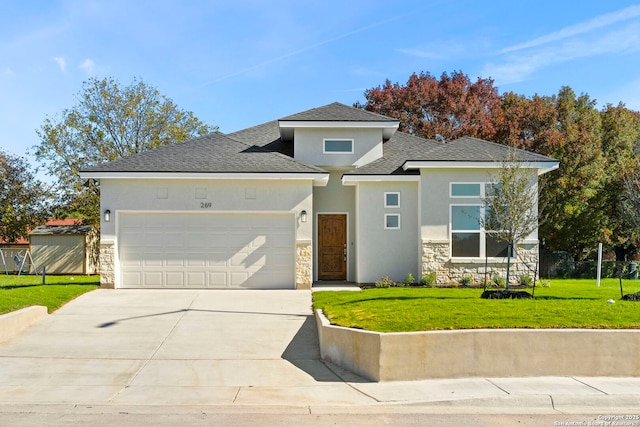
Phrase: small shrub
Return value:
(385, 282)
(466, 281)
(499, 281)
(408, 281)
(525, 280)
(545, 283)
(428, 279)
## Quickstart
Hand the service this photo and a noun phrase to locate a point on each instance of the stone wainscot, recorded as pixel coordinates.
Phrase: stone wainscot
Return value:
(436, 259)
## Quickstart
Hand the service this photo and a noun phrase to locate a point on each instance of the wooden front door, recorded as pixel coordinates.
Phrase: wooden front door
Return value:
(332, 247)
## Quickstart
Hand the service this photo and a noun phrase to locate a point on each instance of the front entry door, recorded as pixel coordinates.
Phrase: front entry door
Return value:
(332, 247)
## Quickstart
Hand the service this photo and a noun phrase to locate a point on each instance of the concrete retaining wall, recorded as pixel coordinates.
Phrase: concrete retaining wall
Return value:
(11, 324)
(480, 352)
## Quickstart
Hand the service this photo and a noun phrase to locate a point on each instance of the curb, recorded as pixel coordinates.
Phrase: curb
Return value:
(12, 324)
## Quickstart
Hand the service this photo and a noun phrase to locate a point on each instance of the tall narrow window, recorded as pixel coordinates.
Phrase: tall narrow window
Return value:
(465, 231)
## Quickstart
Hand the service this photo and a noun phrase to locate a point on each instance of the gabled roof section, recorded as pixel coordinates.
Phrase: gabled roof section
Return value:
(468, 149)
(210, 154)
(337, 115)
(337, 112)
(405, 154)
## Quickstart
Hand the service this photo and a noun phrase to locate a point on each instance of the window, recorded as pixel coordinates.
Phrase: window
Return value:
(469, 239)
(465, 189)
(343, 146)
(465, 231)
(392, 221)
(391, 200)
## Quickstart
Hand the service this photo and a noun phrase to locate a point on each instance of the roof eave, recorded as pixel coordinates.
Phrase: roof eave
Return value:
(542, 167)
(317, 177)
(352, 179)
(287, 126)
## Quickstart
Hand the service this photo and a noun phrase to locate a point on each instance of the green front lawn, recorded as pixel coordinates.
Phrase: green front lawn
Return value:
(19, 292)
(565, 304)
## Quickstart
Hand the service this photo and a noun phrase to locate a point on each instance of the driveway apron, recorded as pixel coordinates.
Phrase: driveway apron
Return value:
(175, 347)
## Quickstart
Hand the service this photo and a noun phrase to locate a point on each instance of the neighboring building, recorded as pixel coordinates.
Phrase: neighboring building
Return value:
(332, 193)
(64, 247)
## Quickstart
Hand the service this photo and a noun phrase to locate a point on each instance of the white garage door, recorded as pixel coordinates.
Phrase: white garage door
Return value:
(172, 250)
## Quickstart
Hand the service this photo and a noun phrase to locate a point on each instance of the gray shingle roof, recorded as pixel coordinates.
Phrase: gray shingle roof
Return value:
(468, 149)
(338, 112)
(403, 147)
(260, 149)
(70, 230)
(210, 153)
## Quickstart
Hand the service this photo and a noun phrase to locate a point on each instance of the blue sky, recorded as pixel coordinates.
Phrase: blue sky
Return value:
(243, 62)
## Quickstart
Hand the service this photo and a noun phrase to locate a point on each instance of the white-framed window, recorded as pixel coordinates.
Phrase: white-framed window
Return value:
(465, 189)
(337, 146)
(469, 239)
(392, 199)
(472, 189)
(392, 221)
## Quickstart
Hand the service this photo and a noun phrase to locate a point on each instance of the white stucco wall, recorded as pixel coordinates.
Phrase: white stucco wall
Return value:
(387, 252)
(193, 195)
(336, 198)
(308, 148)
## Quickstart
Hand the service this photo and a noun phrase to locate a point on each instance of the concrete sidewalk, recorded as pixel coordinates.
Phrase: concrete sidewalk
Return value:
(178, 350)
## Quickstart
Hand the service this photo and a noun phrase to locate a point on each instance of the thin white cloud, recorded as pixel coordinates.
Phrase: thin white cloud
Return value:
(520, 65)
(420, 53)
(62, 63)
(301, 50)
(88, 66)
(581, 28)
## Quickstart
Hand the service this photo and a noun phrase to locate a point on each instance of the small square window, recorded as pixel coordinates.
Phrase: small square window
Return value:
(391, 200)
(392, 221)
(342, 146)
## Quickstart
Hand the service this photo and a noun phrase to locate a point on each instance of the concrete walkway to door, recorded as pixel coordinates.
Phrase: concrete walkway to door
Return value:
(174, 350)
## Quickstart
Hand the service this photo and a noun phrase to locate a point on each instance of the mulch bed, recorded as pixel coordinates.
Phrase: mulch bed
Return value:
(506, 295)
(632, 297)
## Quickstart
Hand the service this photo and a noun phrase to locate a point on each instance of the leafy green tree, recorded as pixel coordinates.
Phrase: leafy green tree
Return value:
(108, 122)
(24, 201)
(620, 139)
(568, 128)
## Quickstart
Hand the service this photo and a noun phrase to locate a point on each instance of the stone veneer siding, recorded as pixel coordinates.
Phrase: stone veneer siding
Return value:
(435, 258)
(107, 265)
(304, 264)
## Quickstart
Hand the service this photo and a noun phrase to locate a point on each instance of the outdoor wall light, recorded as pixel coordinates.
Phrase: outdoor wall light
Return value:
(303, 216)
(107, 215)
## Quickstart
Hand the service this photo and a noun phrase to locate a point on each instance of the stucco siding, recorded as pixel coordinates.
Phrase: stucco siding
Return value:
(387, 252)
(367, 146)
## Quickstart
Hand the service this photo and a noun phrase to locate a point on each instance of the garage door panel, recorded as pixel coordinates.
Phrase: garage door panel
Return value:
(174, 279)
(218, 279)
(207, 250)
(152, 279)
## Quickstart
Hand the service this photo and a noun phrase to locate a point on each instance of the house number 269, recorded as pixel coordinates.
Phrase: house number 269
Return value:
(205, 205)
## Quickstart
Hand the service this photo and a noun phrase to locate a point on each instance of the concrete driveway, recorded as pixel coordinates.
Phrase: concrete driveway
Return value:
(176, 349)
(173, 347)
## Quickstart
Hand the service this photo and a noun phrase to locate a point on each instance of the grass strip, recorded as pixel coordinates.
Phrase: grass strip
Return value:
(17, 292)
(565, 304)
